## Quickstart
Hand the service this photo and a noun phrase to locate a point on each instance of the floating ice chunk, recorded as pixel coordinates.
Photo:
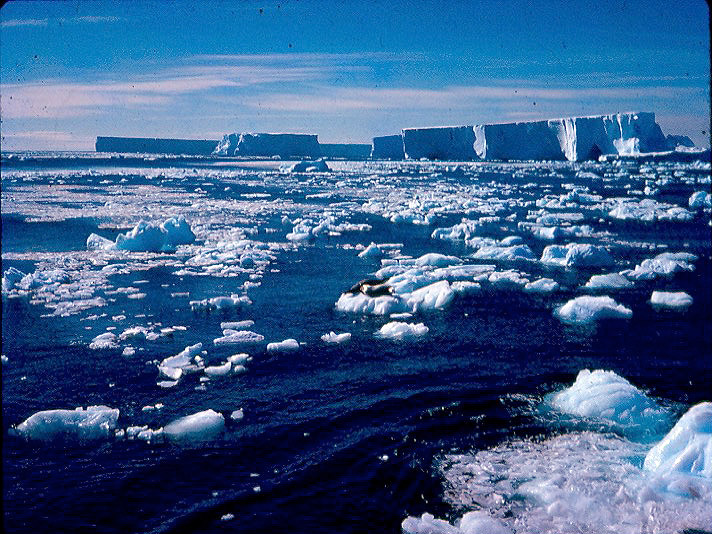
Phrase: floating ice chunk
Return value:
(219, 370)
(371, 251)
(687, 448)
(97, 242)
(399, 330)
(437, 260)
(509, 279)
(577, 255)
(608, 281)
(128, 351)
(183, 358)
(481, 522)
(662, 265)
(513, 253)
(700, 200)
(283, 346)
(199, 426)
(106, 340)
(233, 301)
(607, 396)
(432, 297)
(586, 309)
(310, 166)
(234, 337)
(463, 287)
(174, 373)
(670, 299)
(167, 383)
(239, 359)
(227, 517)
(10, 279)
(361, 303)
(237, 415)
(177, 232)
(94, 422)
(542, 285)
(237, 325)
(332, 337)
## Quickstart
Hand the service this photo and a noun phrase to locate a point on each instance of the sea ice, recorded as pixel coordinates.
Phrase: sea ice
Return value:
(310, 166)
(283, 346)
(586, 309)
(700, 200)
(219, 370)
(148, 237)
(605, 395)
(332, 337)
(10, 279)
(542, 285)
(106, 340)
(608, 281)
(361, 303)
(234, 337)
(477, 522)
(662, 265)
(503, 253)
(198, 426)
(399, 330)
(219, 303)
(236, 325)
(670, 299)
(94, 422)
(431, 297)
(577, 255)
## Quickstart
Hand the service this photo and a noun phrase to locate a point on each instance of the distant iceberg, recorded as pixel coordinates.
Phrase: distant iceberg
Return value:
(284, 145)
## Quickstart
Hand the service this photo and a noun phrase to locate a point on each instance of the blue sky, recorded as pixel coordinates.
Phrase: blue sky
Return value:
(347, 71)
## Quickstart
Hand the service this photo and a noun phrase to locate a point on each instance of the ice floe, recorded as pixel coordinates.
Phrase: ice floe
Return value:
(288, 345)
(199, 426)
(400, 330)
(148, 237)
(333, 337)
(94, 422)
(577, 255)
(610, 281)
(662, 265)
(587, 309)
(670, 299)
(542, 285)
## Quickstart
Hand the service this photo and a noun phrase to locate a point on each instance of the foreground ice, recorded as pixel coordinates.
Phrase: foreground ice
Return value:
(198, 426)
(607, 282)
(94, 422)
(477, 522)
(586, 309)
(581, 482)
(687, 448)
(287, 345)
(604, 395)
(670, 299)
(333, 337)
(663, 265)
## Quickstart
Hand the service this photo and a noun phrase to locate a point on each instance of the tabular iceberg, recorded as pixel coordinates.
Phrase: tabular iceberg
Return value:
(269, 144)
(445, 143)
(388, 147)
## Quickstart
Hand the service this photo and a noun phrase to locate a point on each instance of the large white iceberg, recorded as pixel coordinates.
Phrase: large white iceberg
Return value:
(94, 422)
(198, 426)
(586, 309)
(269, 144)
(687, 448)
(605, 395)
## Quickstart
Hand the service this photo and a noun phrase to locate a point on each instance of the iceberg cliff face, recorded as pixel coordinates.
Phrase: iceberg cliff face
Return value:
(388, 147)
(268, 145)
(447, 143)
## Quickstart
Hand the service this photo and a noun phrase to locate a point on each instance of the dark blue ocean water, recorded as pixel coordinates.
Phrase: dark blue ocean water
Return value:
(319, 423)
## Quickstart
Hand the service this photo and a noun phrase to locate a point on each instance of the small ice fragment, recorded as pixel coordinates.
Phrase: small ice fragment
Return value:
(227, 517)
(237, 415)
(542, 285)
(198, 426)
(582, 310)
(104, 341)
(92, 423)
(286, 345)
(332, 337)
(399, 330)
(218, 370)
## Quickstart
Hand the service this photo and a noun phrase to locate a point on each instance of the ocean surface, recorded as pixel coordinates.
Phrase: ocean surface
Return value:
(360, 435)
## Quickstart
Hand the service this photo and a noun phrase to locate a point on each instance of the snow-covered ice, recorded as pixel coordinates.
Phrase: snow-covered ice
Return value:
(198, 426)
(586, 309)
(94, 422)
(400, 330)
(670, 299)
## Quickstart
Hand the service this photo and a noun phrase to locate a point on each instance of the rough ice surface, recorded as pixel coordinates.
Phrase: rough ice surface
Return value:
(236, 337)
(318, 165)
(579, 482)
(608, 282)
(586, 309)
(670, 299)
(333, 337)
(106, 340)
(400, 330)
(94, 422)
(198, 426)
(606, 396)
(219, 303)
(577, 255)
(513, 253)
(687, 448)
(700, 200)
(662, 265)
(288, 345)
(477, 522)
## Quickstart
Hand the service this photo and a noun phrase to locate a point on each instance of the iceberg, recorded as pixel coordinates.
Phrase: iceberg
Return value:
(609, 397)
(106, 340)
(687, 448)
(10, 278)
(442, 143)
(608, 282)
(662, 265)
(388, 147)
(143, 145)
(318, 165)
(518, 141)
(582, 310)
(542, 285)
(670, 299)
(700, 200)
(431, 297)
(284, 145)
(332, 337)
(94, 422)
(198, 426)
